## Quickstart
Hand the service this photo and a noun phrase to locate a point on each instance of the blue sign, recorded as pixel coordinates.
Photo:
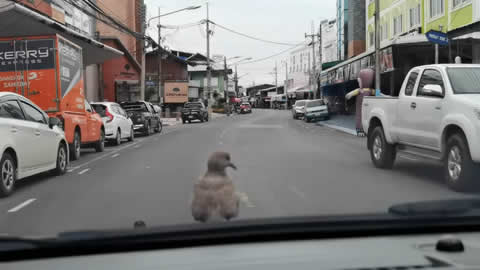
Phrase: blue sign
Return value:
(437, 37)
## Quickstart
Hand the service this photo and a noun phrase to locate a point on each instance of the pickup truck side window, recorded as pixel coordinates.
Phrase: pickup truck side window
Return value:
(429, 76)
(411, 83)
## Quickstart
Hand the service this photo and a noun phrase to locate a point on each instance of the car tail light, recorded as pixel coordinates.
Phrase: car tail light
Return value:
(109, 115)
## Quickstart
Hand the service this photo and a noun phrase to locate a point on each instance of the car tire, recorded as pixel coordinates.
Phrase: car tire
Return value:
(61, 160)
(183, 121)
(147, 131)
(8, 175)
(75, 147)
(159, 127)
(206, 118)
(381, 152)
(459, 169)
(132, 135)
(306, 119)
(201, 119)
(100, 145)
(118, 138)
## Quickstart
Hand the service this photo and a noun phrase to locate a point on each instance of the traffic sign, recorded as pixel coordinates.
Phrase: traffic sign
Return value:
(437, 37)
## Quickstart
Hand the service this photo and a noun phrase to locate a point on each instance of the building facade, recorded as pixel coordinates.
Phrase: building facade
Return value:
(329, 41)
(342, 29)
(356, 28)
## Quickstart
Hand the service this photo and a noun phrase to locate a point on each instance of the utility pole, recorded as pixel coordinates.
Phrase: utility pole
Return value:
(209, 74)
(159, 54)
(142, 75)
(320, 39)
(276, 78)
(377, 45)
(314, 66)
(440, 27)
(285, 85)
(236, 81)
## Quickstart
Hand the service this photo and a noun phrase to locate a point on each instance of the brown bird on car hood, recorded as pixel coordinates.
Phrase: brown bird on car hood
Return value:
(214, 193)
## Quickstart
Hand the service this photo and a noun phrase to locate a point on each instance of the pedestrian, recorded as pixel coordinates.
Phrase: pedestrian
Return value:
(214, 194)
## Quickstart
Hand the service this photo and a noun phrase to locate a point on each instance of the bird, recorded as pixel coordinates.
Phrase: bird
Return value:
(214, 193)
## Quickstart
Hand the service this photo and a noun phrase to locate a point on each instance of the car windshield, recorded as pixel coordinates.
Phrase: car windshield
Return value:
(464, 80)
(193, 105)
(135, 106)
(300, 103)
(264, 109)
(315, 103)
(100, 109)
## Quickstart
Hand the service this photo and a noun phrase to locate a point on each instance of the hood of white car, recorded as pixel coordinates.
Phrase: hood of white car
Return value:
(317, 108)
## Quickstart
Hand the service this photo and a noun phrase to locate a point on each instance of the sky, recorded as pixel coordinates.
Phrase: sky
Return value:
(275, 20)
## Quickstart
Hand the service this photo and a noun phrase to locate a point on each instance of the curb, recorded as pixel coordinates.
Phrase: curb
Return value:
(339, 128)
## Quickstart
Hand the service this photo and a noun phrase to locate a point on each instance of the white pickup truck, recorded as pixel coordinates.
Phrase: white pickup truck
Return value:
(436, 115)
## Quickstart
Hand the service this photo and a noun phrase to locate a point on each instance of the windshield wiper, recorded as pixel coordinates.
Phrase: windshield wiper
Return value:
(453, 207)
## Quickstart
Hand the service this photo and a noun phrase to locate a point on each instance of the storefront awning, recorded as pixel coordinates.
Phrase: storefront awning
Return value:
(18, 20)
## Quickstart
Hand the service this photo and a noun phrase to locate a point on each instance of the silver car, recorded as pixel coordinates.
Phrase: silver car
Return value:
(298, 109)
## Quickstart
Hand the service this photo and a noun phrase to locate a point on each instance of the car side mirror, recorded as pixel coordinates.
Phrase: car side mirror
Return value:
(54, 121)
(433, 90)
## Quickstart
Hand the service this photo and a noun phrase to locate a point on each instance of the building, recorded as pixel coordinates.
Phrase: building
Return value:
(356, 27)
(120, 77)
(259, 96)
(329, 41)
(174, 78)
(342, 29)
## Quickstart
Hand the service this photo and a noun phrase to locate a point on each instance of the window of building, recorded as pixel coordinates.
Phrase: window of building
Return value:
(436, 8)
(414, 15)
(457, 3)
(398, 25)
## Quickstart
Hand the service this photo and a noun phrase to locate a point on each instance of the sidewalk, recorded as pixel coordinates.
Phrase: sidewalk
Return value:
(344, 123)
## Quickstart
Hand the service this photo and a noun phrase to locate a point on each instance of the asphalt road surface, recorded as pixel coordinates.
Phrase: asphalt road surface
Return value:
(285, 168)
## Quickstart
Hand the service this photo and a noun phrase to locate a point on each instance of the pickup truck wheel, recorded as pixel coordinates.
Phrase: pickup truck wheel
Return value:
(206, 118)
(159, 127)
(61, 160)
(147, 130)
(75, 146)
(459, 168)
(381, 152)
(8, 175)
(100, 145)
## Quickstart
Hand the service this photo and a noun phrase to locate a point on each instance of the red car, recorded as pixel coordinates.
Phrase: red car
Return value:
(245, 108)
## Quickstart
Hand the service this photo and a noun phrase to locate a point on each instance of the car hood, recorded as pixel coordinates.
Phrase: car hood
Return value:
(318, 108)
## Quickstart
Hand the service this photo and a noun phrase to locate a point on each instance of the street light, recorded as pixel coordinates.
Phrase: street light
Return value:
(159, 71)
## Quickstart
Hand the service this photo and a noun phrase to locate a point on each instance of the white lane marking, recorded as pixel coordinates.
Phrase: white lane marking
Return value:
(83, 171)
(105, 155)
(115, 155)
(409, 158)
(20, 206)
(147, 167)
(244, 199)
(220, 142)
(137, 146)
(71, 170)
(297, 191)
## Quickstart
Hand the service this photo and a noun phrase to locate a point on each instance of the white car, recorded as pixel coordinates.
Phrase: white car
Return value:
(118, 125)
(297, 108)
(314, 110)
(30, 143)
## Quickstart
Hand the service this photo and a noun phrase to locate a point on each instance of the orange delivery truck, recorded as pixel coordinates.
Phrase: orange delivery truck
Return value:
(49, 71)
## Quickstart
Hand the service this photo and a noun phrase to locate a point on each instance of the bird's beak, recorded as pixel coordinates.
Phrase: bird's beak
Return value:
(232, 166)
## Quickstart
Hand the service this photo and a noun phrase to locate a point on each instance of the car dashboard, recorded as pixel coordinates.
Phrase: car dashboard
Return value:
(455, 251)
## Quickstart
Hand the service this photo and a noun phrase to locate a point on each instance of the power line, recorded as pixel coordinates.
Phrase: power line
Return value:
(274, 55)
(251, 37)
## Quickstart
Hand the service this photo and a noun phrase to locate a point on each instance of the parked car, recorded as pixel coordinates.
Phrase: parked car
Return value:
(30, 143)
(143, 116)
(436, 116)
(60, 95)
(194, 111)
(118, 125)
(157, 112)
(297, 109)
(314, 110)
(245, 108)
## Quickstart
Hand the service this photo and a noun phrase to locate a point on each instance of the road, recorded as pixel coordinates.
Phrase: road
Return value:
(285, 168)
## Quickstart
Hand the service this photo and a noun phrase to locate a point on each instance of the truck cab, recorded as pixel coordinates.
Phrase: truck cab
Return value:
(435, 116)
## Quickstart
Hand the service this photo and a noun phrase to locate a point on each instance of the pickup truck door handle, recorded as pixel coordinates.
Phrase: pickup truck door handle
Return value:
(37, 132)
(413, 105)
(14, 130)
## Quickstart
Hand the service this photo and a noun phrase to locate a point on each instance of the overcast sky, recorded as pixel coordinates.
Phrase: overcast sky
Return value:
(275, 20)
